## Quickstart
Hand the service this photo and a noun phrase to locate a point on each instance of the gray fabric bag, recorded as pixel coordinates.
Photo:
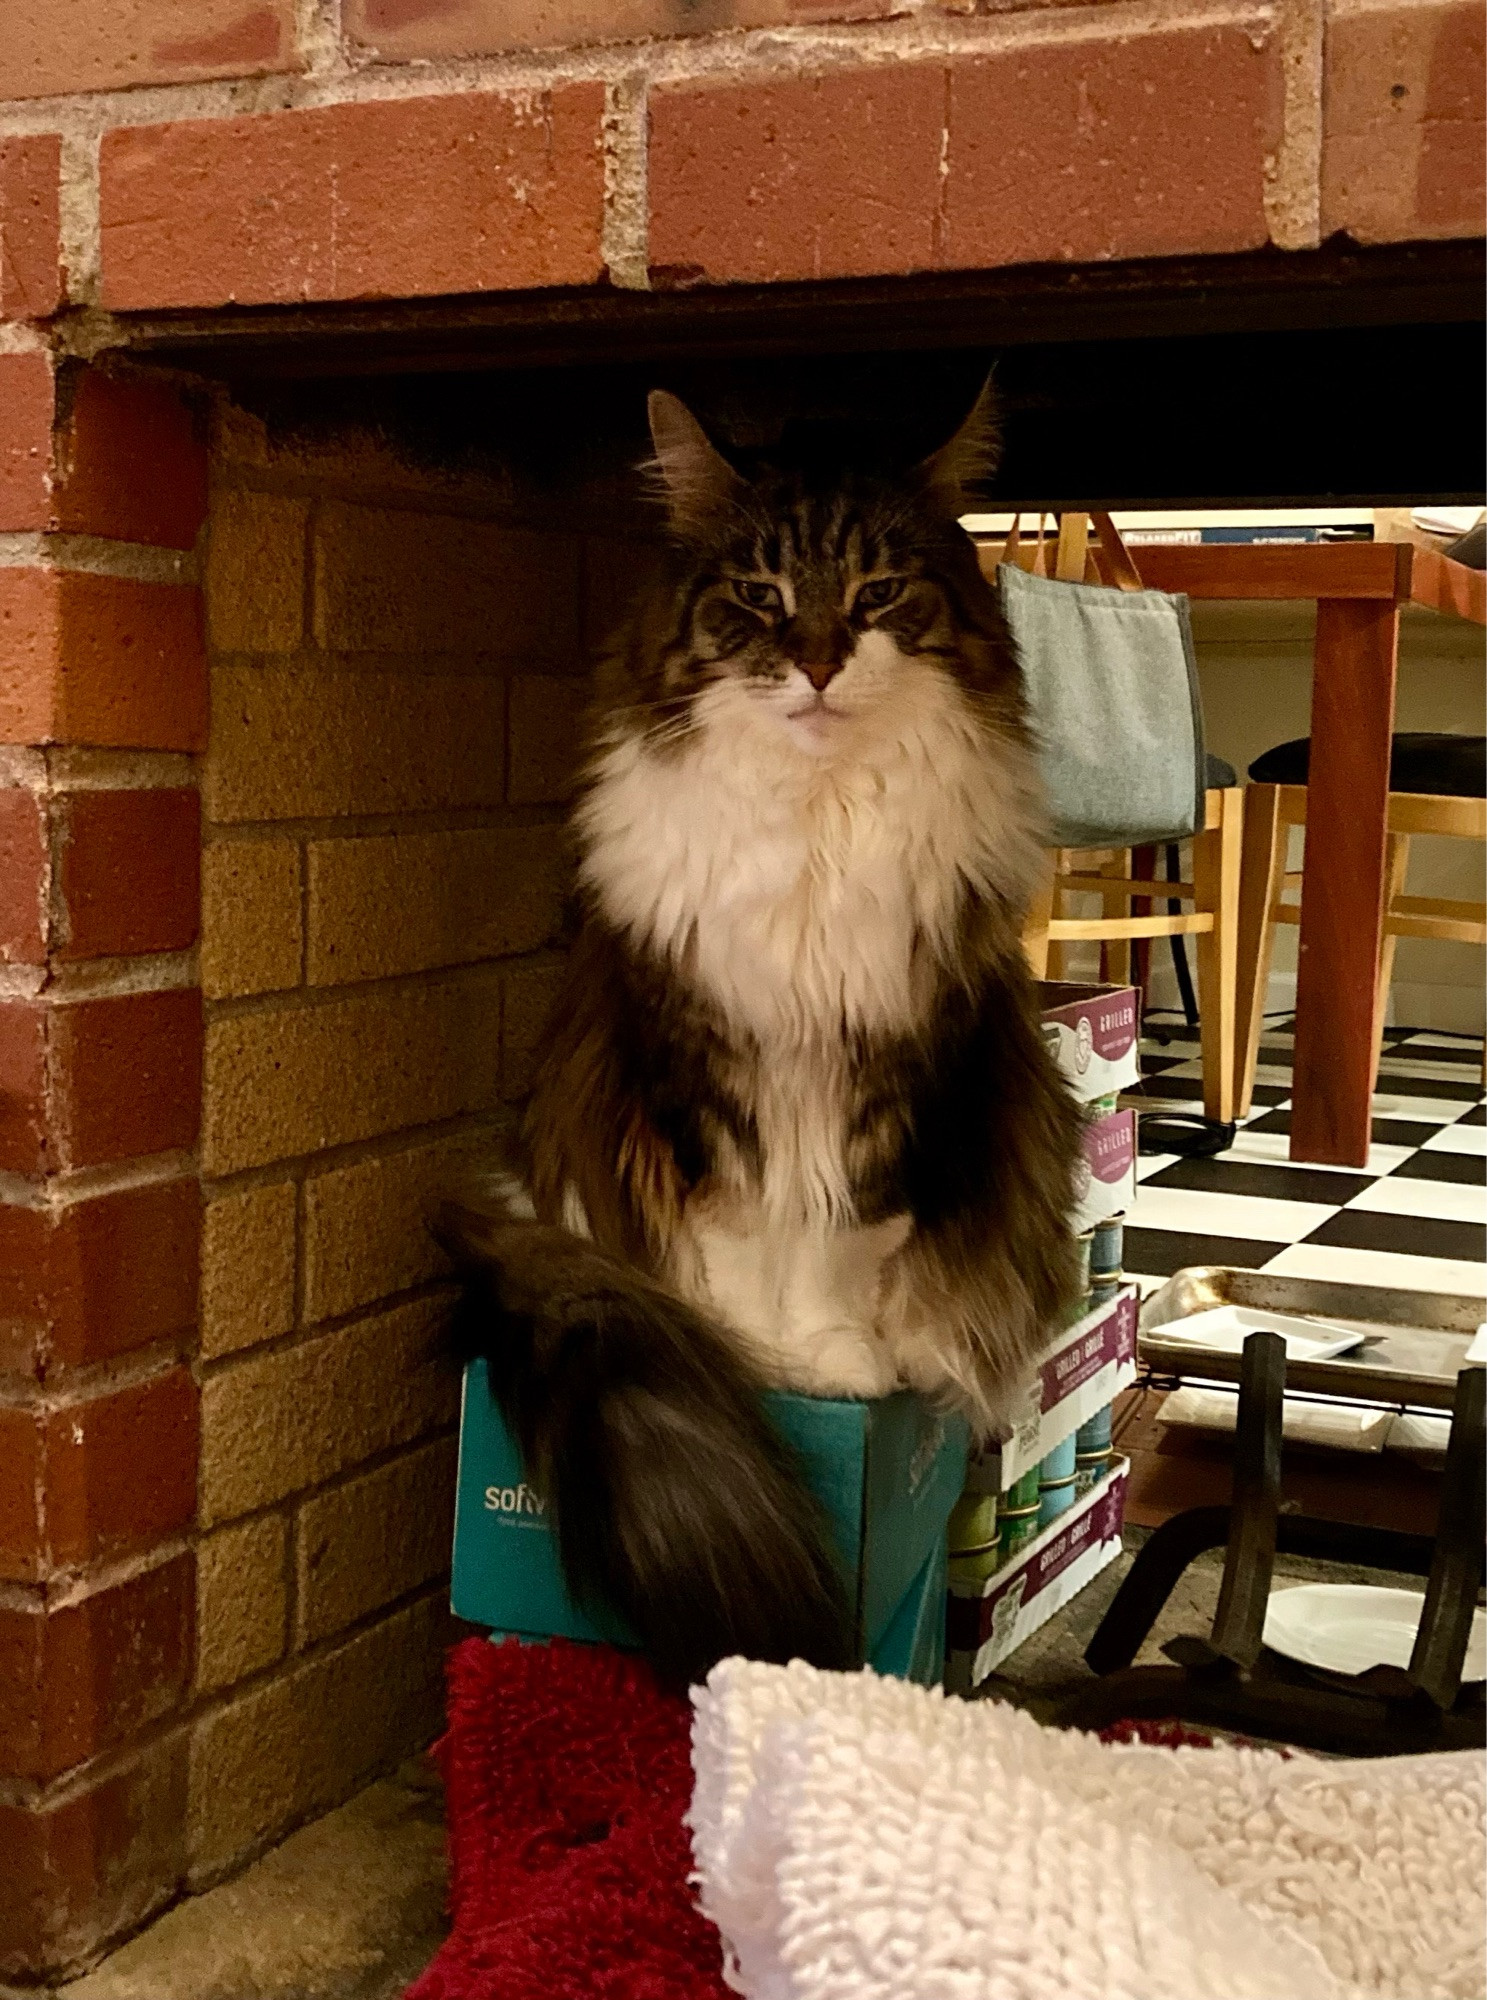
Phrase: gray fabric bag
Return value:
(1112, 690)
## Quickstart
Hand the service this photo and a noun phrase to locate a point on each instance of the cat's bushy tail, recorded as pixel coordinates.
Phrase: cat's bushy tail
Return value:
(674, 1500)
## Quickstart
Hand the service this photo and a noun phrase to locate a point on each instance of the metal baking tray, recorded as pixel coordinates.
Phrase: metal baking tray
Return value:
(1414, 1341)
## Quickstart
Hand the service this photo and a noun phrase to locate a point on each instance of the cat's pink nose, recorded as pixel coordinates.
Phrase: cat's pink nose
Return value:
(820, 672)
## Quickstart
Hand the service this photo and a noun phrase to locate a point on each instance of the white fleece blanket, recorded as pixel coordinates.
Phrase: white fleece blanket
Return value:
(858, 1838)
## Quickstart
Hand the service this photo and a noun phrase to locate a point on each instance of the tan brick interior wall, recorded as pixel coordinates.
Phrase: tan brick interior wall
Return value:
(397, 664)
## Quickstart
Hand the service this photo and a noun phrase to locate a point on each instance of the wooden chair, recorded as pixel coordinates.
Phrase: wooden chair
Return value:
(1270, 811)
(1127, 914)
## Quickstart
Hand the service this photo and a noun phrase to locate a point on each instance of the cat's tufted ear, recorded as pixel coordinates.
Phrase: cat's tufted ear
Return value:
(695, 479)
(951, 475)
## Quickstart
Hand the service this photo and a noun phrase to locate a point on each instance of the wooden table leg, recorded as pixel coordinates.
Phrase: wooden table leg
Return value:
(1342, 889)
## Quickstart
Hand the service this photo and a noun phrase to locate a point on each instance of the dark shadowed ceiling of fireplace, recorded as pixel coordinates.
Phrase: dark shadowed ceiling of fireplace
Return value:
(1341, 374)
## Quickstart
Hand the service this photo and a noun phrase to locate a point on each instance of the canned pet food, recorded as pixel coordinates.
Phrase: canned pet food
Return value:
(1095, 1435)
(975, 1551)
(972, 1523)
(1101, 1107)
(1079, 1302)
(1106, 1257)
(1057, 1499)
(973, 1568)
(1018, 1527)
(1090, 1467)
(1059, 1464)
(1023, 1494)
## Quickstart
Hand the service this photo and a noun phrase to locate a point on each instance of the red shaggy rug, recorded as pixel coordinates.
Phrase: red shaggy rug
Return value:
(567, 1772)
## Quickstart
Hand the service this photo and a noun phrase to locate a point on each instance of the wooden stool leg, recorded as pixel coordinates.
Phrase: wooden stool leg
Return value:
(1035, 924)
(1216, 858)
(1115, 953)
(1144, 868)
(1396, 867)
(1261, 875)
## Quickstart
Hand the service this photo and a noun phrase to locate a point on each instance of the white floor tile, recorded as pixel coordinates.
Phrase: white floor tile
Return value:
(1273, 1149)
(1457, 1139)
(1418, 1110)
(1149, 1164)
(1379, 1267)
(1197, 1212)
(1443, 1200)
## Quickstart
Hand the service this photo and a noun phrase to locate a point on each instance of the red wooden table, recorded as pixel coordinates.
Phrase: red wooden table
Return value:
(1359, 588)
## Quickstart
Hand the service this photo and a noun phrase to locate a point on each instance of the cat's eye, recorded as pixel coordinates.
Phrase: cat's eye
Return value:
(758, 596)
(877, 592)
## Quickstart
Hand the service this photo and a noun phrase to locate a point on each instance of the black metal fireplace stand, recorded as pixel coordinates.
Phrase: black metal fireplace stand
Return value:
(1229, 1680)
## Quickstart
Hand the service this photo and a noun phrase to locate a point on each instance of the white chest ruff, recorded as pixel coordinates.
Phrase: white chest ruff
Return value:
(795, 888)
(806, 894)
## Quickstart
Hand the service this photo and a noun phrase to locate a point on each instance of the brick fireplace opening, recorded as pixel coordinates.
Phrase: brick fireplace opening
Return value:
(323, 344)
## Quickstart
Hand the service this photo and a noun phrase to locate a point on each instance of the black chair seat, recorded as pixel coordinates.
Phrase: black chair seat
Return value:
(1422, 760)
(1221, 774)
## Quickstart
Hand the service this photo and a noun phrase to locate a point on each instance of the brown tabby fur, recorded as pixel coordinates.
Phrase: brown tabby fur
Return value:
(651, 1111)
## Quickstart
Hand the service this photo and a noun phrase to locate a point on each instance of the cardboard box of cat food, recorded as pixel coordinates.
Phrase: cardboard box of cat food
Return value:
(1081, 1371)
(1105, 1182)
(886, 1474)
(1093, 1034)
(983, 1626)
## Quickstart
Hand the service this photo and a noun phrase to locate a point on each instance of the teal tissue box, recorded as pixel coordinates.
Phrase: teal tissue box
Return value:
(886, 1473)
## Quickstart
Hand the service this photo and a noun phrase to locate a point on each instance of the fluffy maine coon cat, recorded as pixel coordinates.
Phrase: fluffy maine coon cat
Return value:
(794, 1124)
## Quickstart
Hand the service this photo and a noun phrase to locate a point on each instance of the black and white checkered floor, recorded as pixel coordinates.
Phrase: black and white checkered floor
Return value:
(1414, 1217)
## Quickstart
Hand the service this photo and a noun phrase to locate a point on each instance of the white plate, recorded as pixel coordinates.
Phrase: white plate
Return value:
(1224, 1330)
(1350, 1627)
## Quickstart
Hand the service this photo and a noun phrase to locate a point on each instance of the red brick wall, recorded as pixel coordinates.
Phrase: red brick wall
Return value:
(204, 154)
(102, 697)
(397, 148)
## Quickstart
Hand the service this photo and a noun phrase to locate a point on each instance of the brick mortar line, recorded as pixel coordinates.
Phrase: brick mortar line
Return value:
(288, 1504)
(301, 999)
(19, 336)
(67, 1386)
(357, 826)
(78, 768)
(456, 663)
(211, 1368)
(625, 229)
(181, 1721)
(1293, 172)
(202, 1707)
(741, 55)
(345, 988)
(69, 983)
(197, 1882)
(68, 1186)
(358, 1152)
(93, 555)
(78, 1586)
(500, 510)
(105, 1378)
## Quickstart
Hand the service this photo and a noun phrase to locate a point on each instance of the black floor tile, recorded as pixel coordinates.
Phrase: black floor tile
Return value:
(1476, 1116)
(1249, 1177)
(1154, 1065)
(1189, 1090)
(1386, 1131)
(1157, 1253)
(1465, 1169)
(1402, 1132)
(1464, 1053)
(1404, 1235)
(1466, 1092)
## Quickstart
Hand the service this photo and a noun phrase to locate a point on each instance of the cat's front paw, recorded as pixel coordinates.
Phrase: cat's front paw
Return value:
(845, 1364)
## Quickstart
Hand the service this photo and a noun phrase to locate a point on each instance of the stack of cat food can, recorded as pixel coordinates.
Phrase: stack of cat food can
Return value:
(1045, 1501)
